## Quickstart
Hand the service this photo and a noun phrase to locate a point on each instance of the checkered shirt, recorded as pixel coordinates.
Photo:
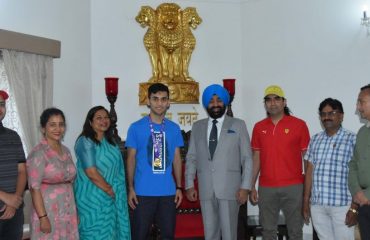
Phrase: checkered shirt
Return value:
(330, 156)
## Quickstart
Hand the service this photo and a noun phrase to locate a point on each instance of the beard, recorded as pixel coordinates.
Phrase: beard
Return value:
(216, 112)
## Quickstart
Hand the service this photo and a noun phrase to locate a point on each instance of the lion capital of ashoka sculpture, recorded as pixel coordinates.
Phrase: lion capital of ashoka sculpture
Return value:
(170, 42)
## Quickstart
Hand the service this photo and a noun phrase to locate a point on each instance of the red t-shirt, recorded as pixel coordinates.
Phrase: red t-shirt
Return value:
(280, 148)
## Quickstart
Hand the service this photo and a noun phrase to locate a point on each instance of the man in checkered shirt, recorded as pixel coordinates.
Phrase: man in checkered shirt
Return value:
(326, 182)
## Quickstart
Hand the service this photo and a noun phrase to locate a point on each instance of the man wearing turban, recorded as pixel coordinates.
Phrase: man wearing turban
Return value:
(220, 154)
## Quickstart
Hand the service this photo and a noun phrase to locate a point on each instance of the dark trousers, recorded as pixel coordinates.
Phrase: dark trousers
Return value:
(12, 229)
(364, 221)
(161, 210)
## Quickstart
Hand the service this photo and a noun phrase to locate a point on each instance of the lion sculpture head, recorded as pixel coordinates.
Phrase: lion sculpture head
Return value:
(191, 17)
(146, 16)
(169, 15)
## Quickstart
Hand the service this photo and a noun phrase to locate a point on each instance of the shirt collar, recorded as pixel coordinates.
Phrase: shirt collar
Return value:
(281, 120)
(339, 132)
(148, 118)
(220, 120)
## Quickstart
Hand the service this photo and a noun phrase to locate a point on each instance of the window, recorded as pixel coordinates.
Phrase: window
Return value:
(11, 119)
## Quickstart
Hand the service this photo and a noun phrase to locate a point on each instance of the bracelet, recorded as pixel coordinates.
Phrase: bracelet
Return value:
(180, 188)
(43, 216)
(353, 210)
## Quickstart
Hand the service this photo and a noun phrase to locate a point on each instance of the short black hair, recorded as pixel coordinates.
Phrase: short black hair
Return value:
(47, 113)
(158, 87)
(365, 87)
(333, 103)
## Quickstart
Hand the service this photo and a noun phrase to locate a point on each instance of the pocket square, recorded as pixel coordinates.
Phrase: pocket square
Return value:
(230, 131)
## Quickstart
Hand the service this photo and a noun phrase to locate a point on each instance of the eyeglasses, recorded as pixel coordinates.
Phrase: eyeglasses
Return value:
(328, 114)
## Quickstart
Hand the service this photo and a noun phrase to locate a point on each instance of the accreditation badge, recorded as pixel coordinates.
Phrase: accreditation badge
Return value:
(159, 153)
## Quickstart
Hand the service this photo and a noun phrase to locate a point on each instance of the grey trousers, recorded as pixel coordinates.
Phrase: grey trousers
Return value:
(288, 199)
(220, 218)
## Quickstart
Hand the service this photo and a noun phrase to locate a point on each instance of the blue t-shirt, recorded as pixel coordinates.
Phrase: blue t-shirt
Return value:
(154, 179)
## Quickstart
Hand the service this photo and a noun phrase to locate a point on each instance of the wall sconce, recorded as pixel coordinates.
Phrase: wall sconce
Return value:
(111, 90)
(365, 20)
(229, 84)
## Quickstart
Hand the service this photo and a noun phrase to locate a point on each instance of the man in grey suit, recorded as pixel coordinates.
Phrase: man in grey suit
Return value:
(220, 154)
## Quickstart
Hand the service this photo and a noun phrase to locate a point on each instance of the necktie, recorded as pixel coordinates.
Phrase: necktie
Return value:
(212, 144)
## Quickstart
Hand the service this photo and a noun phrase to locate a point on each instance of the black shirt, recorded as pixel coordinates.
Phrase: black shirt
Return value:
(11, 153)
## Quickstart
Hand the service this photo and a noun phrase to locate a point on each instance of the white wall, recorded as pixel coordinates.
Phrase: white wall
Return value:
(117, 49)
(313, 49)
(69, 22)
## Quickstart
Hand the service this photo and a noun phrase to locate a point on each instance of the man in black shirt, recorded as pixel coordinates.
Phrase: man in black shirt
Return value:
(12, 179)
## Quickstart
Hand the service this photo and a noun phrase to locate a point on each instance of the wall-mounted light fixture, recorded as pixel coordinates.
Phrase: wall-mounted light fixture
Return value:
(111, 90)
(365, 20)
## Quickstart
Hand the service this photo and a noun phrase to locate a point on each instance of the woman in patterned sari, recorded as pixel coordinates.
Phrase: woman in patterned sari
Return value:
(100, 186)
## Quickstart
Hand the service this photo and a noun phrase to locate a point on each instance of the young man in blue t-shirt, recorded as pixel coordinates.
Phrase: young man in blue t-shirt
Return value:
(153, 144)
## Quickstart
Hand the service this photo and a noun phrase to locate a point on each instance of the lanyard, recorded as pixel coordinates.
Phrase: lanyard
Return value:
(157, 142)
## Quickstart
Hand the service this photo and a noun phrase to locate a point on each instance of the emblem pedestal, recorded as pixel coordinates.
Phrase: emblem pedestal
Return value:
(180, 92)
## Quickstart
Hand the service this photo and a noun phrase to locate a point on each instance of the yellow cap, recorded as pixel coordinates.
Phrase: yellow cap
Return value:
(274, 89)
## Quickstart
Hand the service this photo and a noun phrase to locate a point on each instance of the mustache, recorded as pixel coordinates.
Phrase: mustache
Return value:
(327, 120)
(216, 111)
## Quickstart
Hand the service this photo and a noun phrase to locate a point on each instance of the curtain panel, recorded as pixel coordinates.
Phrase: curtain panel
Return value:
(30, 79)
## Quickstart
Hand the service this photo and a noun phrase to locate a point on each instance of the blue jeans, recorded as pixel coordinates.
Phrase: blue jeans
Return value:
(12, 229)
(160, 210)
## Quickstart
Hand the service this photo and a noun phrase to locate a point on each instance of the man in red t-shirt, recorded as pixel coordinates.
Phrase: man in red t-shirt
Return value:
(278, 143)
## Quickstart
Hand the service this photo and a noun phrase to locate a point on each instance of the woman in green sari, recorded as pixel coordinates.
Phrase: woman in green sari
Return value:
(100, 188)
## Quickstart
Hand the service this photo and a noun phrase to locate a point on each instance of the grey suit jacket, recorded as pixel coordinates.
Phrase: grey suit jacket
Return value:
(231, 167)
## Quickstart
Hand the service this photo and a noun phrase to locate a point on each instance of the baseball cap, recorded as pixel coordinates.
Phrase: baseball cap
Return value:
(4, 94)
(274, 89)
